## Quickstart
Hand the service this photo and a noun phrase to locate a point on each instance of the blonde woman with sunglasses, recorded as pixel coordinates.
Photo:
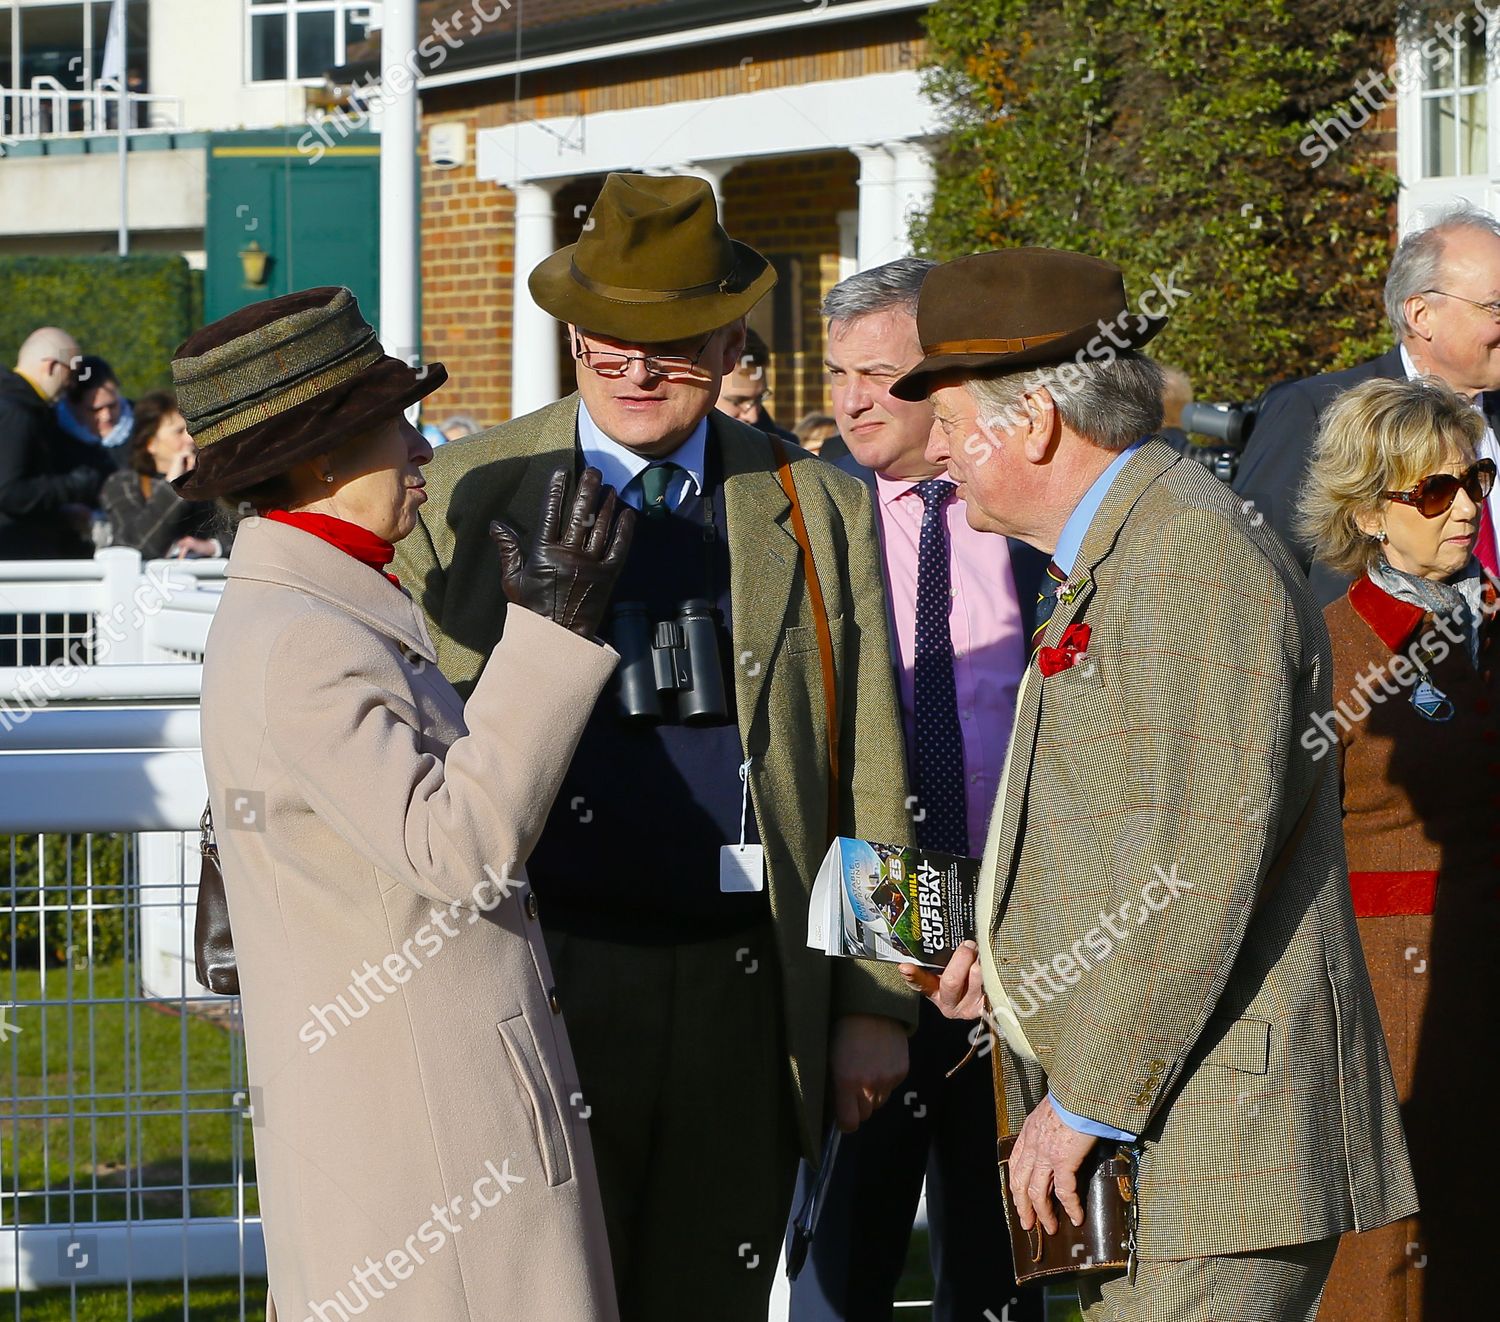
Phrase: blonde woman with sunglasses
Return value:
(1395, 497)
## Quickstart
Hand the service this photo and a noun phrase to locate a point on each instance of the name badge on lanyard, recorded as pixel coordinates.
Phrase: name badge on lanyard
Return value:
(742, 867)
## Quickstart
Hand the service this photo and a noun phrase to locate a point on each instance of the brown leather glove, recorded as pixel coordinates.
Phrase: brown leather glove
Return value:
(569, 572)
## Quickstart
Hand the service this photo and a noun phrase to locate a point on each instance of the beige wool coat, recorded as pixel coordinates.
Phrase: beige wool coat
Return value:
(419, 1150)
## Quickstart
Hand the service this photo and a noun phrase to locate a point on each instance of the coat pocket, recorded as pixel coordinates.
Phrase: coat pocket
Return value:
(547, 1123)
(1243, 1045)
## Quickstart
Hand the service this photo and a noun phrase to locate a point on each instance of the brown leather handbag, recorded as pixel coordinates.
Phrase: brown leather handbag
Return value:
(1105, 1240)
(213, 942)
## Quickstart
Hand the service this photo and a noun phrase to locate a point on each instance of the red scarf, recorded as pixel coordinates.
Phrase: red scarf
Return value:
(350, 538)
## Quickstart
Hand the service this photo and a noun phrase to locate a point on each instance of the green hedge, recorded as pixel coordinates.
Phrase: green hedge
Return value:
(131, 311)
(27, 888)
(1168, 136)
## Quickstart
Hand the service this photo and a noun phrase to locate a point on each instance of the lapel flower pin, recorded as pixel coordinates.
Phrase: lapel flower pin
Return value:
(1071, 648)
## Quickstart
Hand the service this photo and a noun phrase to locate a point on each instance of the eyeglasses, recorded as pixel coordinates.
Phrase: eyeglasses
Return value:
(745, 403)
(1435, 494)
(613, 364)
(1492, 308)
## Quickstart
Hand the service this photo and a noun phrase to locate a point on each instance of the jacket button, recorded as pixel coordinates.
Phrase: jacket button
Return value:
(531, 904)
(554, 1002)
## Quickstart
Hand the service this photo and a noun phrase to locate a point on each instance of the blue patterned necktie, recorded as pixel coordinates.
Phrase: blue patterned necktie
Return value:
(1046, 602)
(938, 767)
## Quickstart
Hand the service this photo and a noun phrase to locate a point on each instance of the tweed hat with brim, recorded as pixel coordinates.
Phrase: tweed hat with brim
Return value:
(993, 312)
(653, 265)
(283, 381)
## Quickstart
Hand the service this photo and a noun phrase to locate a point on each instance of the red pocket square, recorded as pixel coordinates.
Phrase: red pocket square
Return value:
(1071, 648)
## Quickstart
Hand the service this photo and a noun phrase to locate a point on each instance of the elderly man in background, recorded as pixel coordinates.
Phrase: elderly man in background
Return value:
(1165, 937)
(1442, 297)
(711, 1042)
(961, 605)
(49, 481)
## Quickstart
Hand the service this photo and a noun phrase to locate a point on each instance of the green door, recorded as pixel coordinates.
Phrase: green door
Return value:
(317, 224)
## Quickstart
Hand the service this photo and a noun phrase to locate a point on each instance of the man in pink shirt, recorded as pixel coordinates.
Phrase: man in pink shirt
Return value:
(960, 604)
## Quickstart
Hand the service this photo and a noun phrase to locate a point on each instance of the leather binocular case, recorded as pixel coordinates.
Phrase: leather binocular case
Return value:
(1106, 1181)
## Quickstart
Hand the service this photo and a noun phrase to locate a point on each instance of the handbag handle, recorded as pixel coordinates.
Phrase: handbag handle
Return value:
(820, 626)
(213, 942)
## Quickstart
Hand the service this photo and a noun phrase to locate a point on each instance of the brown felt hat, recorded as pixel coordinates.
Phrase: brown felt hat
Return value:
(283, 381)
(653, 265)
(1021, 307)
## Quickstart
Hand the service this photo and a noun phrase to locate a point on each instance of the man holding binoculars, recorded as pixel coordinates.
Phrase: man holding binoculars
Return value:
(675, 867)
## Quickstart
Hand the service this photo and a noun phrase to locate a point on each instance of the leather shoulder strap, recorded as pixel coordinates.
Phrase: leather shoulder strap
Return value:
(820, 625)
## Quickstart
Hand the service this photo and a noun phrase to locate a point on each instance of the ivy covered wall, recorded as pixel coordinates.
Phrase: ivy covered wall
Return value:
(1176, 137)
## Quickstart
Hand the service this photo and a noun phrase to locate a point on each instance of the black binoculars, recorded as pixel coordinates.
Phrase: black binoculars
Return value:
(671, 670)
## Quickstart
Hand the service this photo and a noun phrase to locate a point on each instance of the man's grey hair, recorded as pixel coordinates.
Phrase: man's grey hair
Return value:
(895, 285)
(1416, 267)
(1111, 403)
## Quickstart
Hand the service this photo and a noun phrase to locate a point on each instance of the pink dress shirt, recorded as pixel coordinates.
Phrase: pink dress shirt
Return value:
(989, 651)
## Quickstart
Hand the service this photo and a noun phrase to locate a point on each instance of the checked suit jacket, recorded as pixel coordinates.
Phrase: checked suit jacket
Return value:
(1228, 1023)
(452, 569)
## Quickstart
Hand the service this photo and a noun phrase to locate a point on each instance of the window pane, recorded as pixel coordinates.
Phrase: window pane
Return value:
(1437, 65)
(1437, 136)
(1474, 135)
(315, 55)
(1472, 69)
(267, 48)
(356, 29)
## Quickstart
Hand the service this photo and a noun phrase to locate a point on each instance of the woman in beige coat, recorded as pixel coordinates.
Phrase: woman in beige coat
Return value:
(421, 1152)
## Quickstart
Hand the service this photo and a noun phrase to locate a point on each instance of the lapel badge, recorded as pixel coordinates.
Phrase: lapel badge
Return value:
(1069, 592)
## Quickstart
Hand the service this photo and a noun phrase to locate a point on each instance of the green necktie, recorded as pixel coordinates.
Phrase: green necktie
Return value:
(654, 483)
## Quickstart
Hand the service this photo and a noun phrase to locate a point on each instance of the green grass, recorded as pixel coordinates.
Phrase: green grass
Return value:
(208, 1301)
(66, 1129)
(139, 1050)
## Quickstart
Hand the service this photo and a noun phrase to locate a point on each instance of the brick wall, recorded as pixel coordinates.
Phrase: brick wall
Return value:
(468, 240)
(467, 229)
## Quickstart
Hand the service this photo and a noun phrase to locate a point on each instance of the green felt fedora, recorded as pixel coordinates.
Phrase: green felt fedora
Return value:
(653, 265)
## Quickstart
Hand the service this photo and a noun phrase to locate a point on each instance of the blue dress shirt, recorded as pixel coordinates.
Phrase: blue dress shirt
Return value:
(1069, 543)
(622, 466)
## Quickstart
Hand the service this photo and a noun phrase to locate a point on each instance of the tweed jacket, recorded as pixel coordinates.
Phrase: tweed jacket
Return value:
(1150, 789)
(406, 1062)
(449, 563)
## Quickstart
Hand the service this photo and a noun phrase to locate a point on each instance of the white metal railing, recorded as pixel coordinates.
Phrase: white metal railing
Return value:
(47, 109)
(124, 1147)
(111, 610)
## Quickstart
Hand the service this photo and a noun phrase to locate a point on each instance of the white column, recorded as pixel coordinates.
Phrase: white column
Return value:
(399, 311)
(912, 189)
(877, 174)
(714, 171)
(533, 354)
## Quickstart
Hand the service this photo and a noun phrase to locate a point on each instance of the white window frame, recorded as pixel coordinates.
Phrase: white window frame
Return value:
(289, 10)
(1422, 194)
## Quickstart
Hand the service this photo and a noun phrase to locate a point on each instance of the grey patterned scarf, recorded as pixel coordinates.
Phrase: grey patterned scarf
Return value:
(1457, 598)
